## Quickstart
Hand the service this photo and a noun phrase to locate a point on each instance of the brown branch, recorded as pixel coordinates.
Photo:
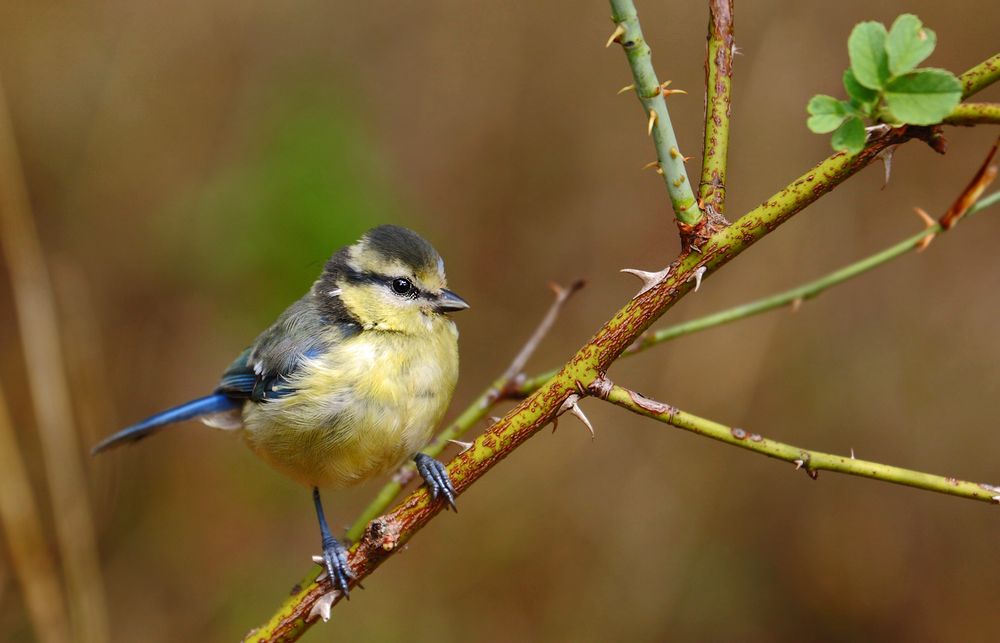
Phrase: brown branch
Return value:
(503, 387)
(984, 176)
(386, 535)
(718, 105)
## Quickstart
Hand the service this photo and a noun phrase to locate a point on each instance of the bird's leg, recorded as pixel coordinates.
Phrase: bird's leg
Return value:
(334, 554)
(436, 476)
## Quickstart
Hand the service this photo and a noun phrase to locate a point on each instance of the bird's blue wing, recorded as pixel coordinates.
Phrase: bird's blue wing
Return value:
(260, 373)
(253, 377)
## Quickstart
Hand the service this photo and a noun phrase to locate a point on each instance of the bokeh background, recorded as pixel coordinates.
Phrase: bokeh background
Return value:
(191, 165)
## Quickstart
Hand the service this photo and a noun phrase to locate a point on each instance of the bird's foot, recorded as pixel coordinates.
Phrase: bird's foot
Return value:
(335, 563)
(436, 476)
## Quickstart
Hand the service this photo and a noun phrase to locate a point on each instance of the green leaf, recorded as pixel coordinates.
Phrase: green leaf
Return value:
(849, 137)
(860, 94)
(909, 44)
(826, 113)
(866, 48)
(923, 97)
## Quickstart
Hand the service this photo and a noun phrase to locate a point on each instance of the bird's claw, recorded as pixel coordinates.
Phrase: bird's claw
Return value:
(338, 570)
(436, 476)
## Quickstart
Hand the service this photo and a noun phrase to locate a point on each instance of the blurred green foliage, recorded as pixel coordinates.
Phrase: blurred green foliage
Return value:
(308, 184)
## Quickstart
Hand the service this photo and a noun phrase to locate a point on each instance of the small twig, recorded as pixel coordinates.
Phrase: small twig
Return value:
(806, 459)
(500, 389)
(651, 94)
(984, 176)
(975, 114)
(517, 365)
(718, 104)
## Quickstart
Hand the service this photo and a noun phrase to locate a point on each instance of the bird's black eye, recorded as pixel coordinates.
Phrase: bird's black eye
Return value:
(402, 286)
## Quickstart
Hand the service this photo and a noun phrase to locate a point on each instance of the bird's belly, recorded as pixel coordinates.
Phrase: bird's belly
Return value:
(353, 417)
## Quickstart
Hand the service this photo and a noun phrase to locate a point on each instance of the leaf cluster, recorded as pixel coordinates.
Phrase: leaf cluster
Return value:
(884, 85)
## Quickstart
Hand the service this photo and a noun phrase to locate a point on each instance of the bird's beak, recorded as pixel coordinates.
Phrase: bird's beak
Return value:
(449, 302)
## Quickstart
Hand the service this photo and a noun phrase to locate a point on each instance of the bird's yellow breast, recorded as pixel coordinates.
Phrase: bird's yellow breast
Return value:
(361, 408)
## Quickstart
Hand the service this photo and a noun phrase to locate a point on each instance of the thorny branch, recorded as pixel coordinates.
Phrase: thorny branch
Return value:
(652, 93)
(584, 372)
(501, 388)
(809, 461)
(718, 105)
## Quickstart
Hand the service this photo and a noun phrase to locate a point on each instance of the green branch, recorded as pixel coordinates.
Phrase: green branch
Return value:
(812, 462)
(801, 293)
(718, 104)
(982, 75)
(651, 94)
(975, 114)
(779, 300)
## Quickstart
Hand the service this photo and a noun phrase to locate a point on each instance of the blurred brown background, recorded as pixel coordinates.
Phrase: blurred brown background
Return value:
(191, 165)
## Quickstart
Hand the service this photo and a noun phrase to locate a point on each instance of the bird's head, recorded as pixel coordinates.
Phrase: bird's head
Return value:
(391, 280)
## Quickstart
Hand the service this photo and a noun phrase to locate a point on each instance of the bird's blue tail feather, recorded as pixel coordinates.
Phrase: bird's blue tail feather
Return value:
(215, 403)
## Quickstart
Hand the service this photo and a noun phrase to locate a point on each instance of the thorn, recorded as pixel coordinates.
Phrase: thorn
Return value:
(698, 274)
(465, 446)
(319, 561)
(571, 404)
(796, 304)
(686, 158)
(886, 156)
(494, 419)
(667, 92)
(322, 606)
(649, 279)
(652, 122)
(651, 165)
(615, 35)
(852, 453)
(874, 132)
(798, 464)
(578, 412)
(736, 50)
(555, 423)
(928, 223)
(626, 88)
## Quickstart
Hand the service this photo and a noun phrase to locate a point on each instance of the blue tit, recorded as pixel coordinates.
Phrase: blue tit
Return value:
(350, 380)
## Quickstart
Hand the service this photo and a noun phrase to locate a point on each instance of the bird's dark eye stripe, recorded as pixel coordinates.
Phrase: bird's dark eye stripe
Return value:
(368, 277)
(355, 277)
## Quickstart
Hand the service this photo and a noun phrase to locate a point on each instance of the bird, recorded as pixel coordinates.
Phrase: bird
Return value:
(349, 381)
